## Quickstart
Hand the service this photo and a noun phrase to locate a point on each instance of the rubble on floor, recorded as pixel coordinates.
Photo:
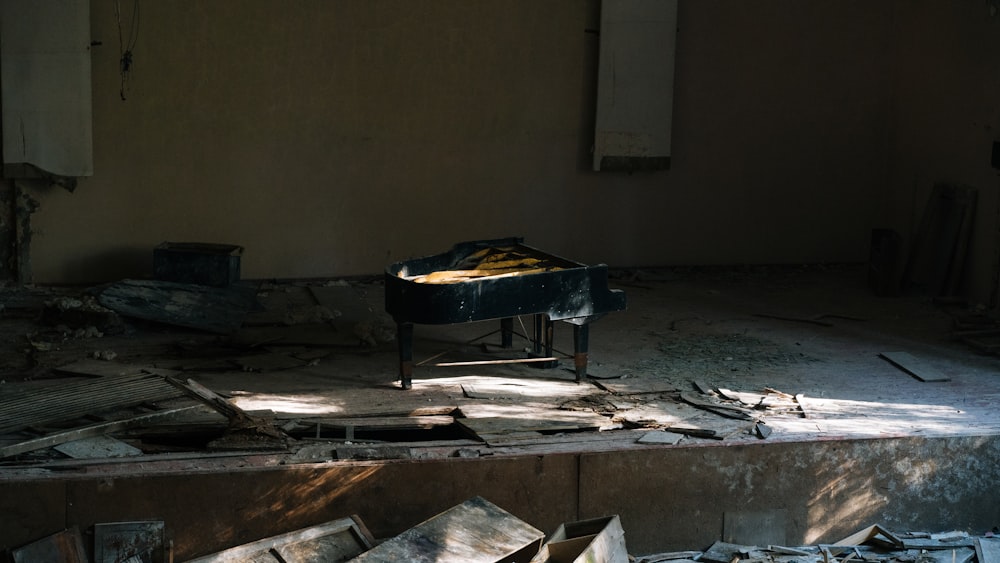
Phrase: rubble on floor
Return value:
(478, 531)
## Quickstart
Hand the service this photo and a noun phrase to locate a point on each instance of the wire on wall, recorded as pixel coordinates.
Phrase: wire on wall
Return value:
(126, 43)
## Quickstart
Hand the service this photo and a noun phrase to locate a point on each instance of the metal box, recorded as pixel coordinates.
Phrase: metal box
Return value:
(199, 263)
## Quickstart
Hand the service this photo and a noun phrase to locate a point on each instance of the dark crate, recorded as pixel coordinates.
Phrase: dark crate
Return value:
(198, 263)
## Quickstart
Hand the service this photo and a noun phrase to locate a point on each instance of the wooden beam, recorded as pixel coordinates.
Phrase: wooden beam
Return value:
(92, 430)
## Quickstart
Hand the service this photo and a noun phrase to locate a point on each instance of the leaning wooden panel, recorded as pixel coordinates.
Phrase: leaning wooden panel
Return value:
(339, 540)
(476, 531)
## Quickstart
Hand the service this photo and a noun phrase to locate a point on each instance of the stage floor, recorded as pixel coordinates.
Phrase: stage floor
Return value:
(777, 365)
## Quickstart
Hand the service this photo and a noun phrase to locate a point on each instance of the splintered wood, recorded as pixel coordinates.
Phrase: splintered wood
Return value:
(494, 262)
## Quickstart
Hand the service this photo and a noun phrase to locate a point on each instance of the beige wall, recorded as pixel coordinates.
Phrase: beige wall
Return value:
(946, 116)
(330, 137)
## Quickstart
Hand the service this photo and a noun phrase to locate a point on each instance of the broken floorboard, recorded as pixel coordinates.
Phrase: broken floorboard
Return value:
(39, 406)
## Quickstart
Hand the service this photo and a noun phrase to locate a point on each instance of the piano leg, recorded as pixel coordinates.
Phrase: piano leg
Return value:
(542, 341)
(536, 337)
(549, 336)
(581, 335)
(404, 335)
(507, 332)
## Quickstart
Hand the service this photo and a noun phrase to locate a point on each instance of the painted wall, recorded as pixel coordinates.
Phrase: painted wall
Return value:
(331, 137)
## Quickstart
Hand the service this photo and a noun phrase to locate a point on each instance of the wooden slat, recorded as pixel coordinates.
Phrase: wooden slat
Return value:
(914, 366)
(66, 401)
(377, 423)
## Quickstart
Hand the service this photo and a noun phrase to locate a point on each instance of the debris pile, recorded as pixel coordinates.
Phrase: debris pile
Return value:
(478, 531)
(872, 544)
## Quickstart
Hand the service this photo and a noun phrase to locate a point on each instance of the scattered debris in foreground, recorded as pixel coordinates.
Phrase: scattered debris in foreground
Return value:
(478, 531)
(871, 544)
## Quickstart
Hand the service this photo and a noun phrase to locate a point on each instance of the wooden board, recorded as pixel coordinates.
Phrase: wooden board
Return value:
(338, 540)
(660, 437)
(373, 423)
(212, 309)
(476, 531)
(491, 420)
(637, 385)
(535, 389)
(914, 366)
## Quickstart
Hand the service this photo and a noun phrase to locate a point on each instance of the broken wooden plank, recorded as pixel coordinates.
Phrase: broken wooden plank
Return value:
(660, 437)
(556, 422)
(703, 388)
(729, 411)
(39, 406)
(92, 430)
(334, 541)
(372, 423)
(213, 309)
(872, 534)
(748, 399)
(238, 418)
(485, 533)
(494, 388)
(637, 385)
(800, 398)
(933, 544)
(914, 366)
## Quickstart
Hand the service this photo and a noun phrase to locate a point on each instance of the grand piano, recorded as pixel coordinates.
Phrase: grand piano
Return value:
(498, 279)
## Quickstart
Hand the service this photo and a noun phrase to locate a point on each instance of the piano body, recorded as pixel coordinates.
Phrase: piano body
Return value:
(498, 279)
